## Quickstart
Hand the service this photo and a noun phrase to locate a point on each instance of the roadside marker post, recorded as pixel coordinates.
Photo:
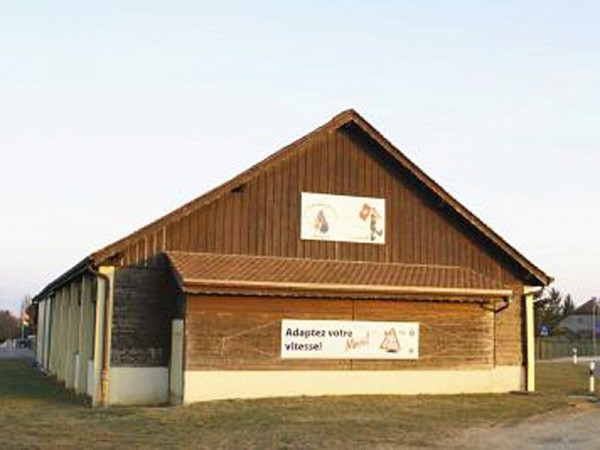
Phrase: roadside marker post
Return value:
(593, 361)
(575, 355)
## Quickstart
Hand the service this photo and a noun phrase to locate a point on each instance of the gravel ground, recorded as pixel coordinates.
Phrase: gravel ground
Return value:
(577, 427)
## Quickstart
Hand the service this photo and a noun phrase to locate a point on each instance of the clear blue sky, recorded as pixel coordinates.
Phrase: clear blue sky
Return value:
(114, 112)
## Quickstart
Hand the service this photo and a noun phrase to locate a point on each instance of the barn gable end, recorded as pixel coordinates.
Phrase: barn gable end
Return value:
(201, 295)
(257, 213)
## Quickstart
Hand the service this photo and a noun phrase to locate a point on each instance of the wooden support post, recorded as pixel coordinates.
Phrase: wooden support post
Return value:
(530, 320)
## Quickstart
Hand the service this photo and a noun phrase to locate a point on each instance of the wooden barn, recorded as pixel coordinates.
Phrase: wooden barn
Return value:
(333, 267)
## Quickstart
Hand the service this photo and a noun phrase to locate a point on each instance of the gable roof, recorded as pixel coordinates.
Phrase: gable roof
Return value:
(261, 275)
(586, 308)
(349, 120)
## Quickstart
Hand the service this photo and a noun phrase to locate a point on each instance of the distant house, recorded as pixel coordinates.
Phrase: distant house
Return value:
(581, 320)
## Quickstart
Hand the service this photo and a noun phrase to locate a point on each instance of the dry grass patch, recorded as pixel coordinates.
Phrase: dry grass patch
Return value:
(35, 413)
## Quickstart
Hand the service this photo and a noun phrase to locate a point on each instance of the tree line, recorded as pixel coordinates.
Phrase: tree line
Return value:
(550, 308)
(10, 326)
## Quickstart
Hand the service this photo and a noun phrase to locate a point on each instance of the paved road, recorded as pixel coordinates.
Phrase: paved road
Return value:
(18, 353)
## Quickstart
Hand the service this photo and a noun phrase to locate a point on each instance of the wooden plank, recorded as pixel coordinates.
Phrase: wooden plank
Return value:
(290, 231)
(251, 211)
(317, 248)
(279, 209)
(237, 220)
(185, 241)
(212, 227)
(260, 216)
(302, 187)
(308, 186)
(270, 210)
(228, 221)
(332, 180)
(194, 238)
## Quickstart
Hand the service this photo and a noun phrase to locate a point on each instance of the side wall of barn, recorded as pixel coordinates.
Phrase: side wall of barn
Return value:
(72, 322)
(262, 217)
(233, 349)
(67, 337)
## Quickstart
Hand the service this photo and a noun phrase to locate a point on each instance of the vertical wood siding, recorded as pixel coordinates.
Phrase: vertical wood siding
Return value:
(244, 332)
(263, 216)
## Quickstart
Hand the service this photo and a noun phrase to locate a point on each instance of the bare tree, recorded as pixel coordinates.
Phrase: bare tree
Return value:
(10, 326)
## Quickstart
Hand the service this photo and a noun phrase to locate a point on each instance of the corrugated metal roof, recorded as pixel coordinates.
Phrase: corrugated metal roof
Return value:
(255, 272)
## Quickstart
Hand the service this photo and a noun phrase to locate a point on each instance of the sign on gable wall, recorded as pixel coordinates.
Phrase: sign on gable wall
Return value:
(342, 218)
(343, 339)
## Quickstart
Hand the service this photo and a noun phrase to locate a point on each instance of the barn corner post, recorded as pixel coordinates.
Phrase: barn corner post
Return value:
(105, 279)
(530, 338)
(176, 363)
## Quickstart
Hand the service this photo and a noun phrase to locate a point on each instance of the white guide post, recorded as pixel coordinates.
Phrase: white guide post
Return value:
(592, 377)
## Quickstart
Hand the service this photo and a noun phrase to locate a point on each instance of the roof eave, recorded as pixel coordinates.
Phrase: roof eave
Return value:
(78, 269)
(347, 288)
(538, 275)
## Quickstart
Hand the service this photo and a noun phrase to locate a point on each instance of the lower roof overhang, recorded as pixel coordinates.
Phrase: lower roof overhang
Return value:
(241, 288)
(241, 275)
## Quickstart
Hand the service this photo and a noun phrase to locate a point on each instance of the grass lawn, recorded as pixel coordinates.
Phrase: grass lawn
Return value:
(36, 413)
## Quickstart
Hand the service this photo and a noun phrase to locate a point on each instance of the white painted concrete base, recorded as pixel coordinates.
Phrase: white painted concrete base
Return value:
(176, 365)
(139, 385)
(219, 385)
(91, 380)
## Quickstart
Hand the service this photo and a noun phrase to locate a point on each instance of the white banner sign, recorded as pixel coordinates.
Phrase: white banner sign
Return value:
(341, 339)
(343, 218)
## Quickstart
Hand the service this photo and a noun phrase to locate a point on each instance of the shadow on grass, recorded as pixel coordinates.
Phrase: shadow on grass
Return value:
(21, 380)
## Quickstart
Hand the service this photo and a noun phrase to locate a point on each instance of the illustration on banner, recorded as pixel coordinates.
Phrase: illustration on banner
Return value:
(343, 218)
(390, 342)
(369, 211)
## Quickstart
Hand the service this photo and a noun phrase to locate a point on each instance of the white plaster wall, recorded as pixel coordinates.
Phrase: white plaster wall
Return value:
(218, 385)
(46, 342)
(139, 385)
(176, 365)
(41, 333)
